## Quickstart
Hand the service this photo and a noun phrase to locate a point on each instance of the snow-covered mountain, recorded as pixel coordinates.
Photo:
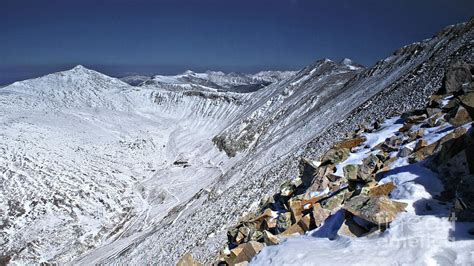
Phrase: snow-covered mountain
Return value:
(213, 80)
(95, 170)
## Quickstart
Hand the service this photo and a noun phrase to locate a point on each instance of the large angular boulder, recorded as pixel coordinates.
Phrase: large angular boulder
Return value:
(382, 190)
(467, 101)
(460, 117)
(335, 155)
(320, 214)
(458, 78)
(246, 252)
(351, 143)
(299, 228)
(350, 228)
(369, 166)
(378, 210)
(270, 239)
(296, 209)
(308, 170)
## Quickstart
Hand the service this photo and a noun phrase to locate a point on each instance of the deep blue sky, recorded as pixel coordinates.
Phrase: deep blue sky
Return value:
(121, 37)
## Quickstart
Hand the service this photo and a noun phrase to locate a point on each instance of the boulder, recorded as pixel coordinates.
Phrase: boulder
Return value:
(351, 143)
(269, 223)
(452, 104)
(435, 101)
(296, 209)
(461, 117)
(334, 202)
(270, 239)
(406, 127)
(382, 190)
(321, 180)
(247, 251)
(308, 170)
(423, 153)
(320, 214)
(350, 171)
(458, 78)
(287, 189)
(467, 101)
(432, 111)
(416, 134)
(378, 210)
(435, 120)
(283, 222)
(188, 260)
(413, 116)
(244, 234)
(369, 166)
(335, 155)
(351, 229)
(421, 144)
(415, 119)
(405, 152)
(299, 228)
(464, 207)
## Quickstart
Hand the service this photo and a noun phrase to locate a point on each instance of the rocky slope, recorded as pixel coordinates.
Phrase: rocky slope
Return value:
(402, 82)
(423, 159)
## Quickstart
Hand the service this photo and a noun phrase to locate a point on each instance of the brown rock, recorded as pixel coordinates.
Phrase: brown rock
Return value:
(299, 228)
(378, 210)
(413, 135)
(320, 214)
(389, 161)
(296, 209)
(414, 119)
(307, 203)
(351, 143)
(334, 203)
(460, 118)
(248, 251)
(435, 100)
(308, 170)
(369, 166)
(270, 239)
(188, 260)
(258, 221)
(351, 228)
(406, 127)
(421, 144)
(423, 153)
(382, 190)
(456, 133)
(269, 223)
(467, 101)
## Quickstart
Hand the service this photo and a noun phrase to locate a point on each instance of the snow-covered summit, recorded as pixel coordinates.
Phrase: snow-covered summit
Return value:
(213, 80)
